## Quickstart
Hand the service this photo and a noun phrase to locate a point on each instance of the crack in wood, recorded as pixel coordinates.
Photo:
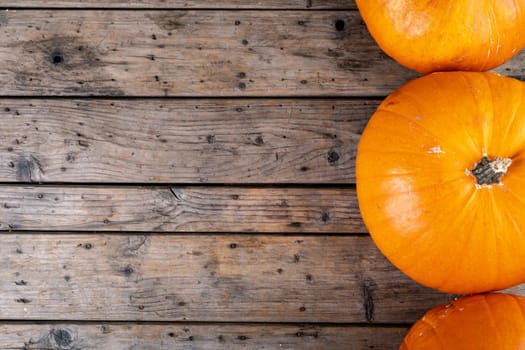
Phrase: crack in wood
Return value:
(369, 287)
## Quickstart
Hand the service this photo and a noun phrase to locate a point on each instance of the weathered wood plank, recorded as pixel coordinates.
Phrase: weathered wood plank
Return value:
(234, 278)
(197, 53)
(203, 4)
(181, 141)
(190, 337)
(192, 53)
(195, 209)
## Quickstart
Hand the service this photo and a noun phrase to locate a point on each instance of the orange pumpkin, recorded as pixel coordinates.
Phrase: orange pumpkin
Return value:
(440, 179)
(429, 35)
(480, 322)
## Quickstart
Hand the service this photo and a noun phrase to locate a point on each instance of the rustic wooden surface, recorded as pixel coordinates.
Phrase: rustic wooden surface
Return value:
(192, 53)
(199, 209)
(195, 53)
(182, 141)
(191, 337)
(234, 278)
(180, 175)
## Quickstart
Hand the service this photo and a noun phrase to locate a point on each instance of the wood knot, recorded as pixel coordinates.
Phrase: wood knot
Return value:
(332, 157)
(57, 58)
(29, 169)
(61, 338)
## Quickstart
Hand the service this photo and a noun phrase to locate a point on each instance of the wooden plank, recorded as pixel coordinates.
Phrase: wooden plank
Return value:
(203, 4)
(191, 337)
(197, 53)
(234, 278)
(195, 209)
(192, 53)
(181, 141)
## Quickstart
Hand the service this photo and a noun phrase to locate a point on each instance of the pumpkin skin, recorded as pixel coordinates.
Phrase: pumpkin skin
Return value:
(443, 35)
(479, 322)
(418, 197)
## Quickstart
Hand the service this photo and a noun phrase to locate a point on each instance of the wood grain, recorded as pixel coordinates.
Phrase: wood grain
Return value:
(196, 53)
(208, 278)
(62, 336)
(181, 141)
(192, 53)
(203, 4)
(182, 209)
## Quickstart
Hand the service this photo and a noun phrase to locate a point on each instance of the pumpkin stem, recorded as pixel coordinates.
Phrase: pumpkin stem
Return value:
(489, 171)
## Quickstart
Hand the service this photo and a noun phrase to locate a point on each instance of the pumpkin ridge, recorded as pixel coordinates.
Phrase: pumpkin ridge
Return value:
(522, 312)
(440, 139)
(512, 193)
(425, 187)
(402, 116)
(478, 322)
(455, 225)
(491, 317)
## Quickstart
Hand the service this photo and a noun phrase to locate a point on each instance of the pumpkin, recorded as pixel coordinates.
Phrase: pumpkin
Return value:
(440, 178)
(479, 322)
(443, 35)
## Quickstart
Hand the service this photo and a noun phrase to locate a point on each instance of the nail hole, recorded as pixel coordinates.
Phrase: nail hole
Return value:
(58, 59)
(339, 25)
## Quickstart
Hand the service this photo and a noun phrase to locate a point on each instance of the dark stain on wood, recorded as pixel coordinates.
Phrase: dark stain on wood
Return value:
(135, 245)
(62, 52)
(354, 64)
(332, 156)
(3, 19)
(369, 288)
(63, 55)
(309, 278)
(55, 339)
(168, 21)
(334, 53)
(127, 270)
(259, 141)
(29, 169)
(340, 25)
(61, 337)
(23, 300)
(325, 217)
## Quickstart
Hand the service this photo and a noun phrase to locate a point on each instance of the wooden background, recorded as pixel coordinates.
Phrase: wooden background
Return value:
(180, 175)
